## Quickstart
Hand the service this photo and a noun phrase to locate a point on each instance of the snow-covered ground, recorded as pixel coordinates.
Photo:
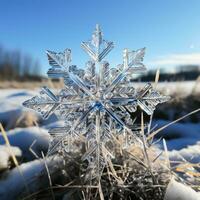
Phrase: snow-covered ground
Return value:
(183, 139)
(180, 137)
(181, 89)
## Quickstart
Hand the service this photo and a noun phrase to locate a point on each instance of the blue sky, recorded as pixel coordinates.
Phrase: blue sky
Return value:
(170, 29)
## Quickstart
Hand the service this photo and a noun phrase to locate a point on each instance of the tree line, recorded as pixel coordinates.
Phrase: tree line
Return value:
(182, 73)
(17, 66)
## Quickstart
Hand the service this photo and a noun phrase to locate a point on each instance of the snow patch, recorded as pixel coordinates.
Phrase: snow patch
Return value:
(5, 155)
(24, 138)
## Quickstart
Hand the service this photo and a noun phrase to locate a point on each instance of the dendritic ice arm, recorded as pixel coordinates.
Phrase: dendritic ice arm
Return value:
(124, 127)
(59, 59)
(72, 129)
(97, 48)
(47, 103)
(148, 99)
(132, 64)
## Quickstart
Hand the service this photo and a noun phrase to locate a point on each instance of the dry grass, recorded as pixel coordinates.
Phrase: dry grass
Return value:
(27, 119)
(13, 156)
(141, 172)
(125, 177)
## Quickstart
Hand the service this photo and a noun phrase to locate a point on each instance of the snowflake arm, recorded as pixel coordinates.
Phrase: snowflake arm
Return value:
(59, 59)
(72, 129)
(131, 64)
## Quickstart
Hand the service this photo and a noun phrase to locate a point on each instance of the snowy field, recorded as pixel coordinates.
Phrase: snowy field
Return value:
(181, 89)
(28, 134)
(18, 120)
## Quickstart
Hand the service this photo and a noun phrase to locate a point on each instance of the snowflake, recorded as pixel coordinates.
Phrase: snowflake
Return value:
(96, 103)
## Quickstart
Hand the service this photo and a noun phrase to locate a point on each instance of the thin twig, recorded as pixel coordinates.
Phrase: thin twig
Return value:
(32, 151)
(48, 174)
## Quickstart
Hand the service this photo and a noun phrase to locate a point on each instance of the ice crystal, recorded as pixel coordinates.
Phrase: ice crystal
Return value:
(97, 103)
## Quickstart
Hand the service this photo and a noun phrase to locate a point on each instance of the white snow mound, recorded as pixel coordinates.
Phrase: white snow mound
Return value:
(5, 155)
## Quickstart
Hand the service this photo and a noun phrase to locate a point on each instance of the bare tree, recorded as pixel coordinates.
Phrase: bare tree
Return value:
(16, 66)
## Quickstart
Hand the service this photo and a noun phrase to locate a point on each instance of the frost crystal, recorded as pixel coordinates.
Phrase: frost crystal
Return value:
(97, 103)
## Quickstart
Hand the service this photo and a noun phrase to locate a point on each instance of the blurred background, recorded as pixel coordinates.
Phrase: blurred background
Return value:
(170, 30)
